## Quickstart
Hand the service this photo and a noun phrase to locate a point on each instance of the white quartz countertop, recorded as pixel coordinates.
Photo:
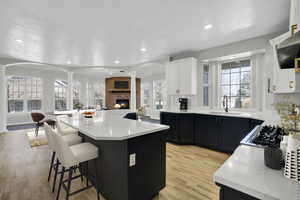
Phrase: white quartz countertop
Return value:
(246, 172)
(270, 118)
(110, 125)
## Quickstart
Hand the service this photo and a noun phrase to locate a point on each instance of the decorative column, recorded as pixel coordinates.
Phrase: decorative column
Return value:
(70, 91)
(133, 91)
(3, 100)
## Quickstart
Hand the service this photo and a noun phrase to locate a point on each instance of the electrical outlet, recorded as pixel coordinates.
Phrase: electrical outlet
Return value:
(132, 159)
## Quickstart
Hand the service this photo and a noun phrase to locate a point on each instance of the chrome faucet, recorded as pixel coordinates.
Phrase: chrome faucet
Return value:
(225, 103)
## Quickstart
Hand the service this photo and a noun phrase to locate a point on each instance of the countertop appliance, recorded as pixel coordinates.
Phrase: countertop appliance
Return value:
(262, 136)
(183, 103)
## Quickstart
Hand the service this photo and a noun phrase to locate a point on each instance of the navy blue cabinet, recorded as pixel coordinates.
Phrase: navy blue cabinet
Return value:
(186, 129)
(222, 133)
(232, 131)
(207, 131)
(181, 127)
(171, 119)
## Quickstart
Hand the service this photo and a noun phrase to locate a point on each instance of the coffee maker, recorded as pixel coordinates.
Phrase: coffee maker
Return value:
(183, 103)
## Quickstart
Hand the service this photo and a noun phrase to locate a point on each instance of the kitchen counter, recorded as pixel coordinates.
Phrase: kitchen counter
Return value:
(110, 125)
(268, 117)
(245, 172)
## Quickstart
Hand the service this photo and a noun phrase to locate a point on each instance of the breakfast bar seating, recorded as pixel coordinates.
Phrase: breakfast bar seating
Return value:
(133, 154)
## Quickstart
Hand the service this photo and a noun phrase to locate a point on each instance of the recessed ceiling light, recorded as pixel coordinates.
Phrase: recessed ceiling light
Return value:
(19, 41)
(117, 62)
(208, 26)
(69, 62)
(143, 49)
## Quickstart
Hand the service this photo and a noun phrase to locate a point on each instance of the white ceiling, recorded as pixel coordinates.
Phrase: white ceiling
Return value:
(98, 32)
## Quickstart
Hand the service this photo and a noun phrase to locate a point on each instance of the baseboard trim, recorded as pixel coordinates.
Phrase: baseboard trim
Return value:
(22, 123)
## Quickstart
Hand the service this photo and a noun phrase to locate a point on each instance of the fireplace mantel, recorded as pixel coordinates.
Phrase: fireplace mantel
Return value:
(114, 94)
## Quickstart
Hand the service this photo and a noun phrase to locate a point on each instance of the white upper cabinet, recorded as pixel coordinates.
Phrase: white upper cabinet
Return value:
(286, 80)
(295, 14)
(181, 77)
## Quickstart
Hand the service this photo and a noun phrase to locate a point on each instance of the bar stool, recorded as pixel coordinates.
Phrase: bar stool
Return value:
(71, 157)
(40, 119)
(63, 129)
(70, 139)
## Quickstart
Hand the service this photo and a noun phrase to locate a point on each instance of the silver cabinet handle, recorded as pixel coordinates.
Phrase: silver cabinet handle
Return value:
(291, 84)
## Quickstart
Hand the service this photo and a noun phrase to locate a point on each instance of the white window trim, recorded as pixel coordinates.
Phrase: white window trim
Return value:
(253, 93)
(202, 85)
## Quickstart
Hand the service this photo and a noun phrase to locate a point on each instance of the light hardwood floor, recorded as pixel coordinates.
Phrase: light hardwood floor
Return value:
(23, 172)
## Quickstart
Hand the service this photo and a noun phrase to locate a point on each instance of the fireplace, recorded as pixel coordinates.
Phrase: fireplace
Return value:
(124, 103)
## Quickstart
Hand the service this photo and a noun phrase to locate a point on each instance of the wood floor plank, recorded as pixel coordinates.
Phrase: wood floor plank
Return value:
(23, 172)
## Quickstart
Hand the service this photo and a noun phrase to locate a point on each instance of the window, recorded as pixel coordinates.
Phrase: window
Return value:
(24, 94)
(76, 92)
(60, 92)
(16, 94)
(34, 87)
(235, 83)
(205, 85)
(159, 94)
(146, 94)
(99, 91)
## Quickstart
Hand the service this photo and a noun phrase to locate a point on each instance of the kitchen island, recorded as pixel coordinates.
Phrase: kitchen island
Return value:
(132, 154)
(245, 176)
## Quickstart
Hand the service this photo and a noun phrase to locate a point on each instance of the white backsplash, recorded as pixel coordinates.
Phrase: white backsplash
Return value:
(293, 97)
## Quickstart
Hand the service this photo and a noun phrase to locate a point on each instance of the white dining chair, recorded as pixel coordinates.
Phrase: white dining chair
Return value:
(70, 158)
(70, 139)
(63, 129)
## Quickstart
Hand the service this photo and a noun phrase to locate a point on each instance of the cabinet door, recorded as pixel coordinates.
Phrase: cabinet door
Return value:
(233, 131)
(284, 79)
(171, 119)
(188, 76)
(186, 128)
(172, 77)
(207, 131)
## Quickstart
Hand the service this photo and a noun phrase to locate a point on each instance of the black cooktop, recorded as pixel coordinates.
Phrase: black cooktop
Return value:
(269, 136)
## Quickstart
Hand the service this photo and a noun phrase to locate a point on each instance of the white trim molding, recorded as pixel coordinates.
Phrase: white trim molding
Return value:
(3, 100)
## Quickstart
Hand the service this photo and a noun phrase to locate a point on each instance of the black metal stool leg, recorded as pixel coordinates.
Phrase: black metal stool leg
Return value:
(36, 130)
(96, 178)
(60, 182)
(80, 170)
(69, 182)
(87, 173)
(51, 165)
(55, 175)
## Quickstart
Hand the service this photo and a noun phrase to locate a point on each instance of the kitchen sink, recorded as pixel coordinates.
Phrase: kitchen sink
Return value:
(225, 113)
